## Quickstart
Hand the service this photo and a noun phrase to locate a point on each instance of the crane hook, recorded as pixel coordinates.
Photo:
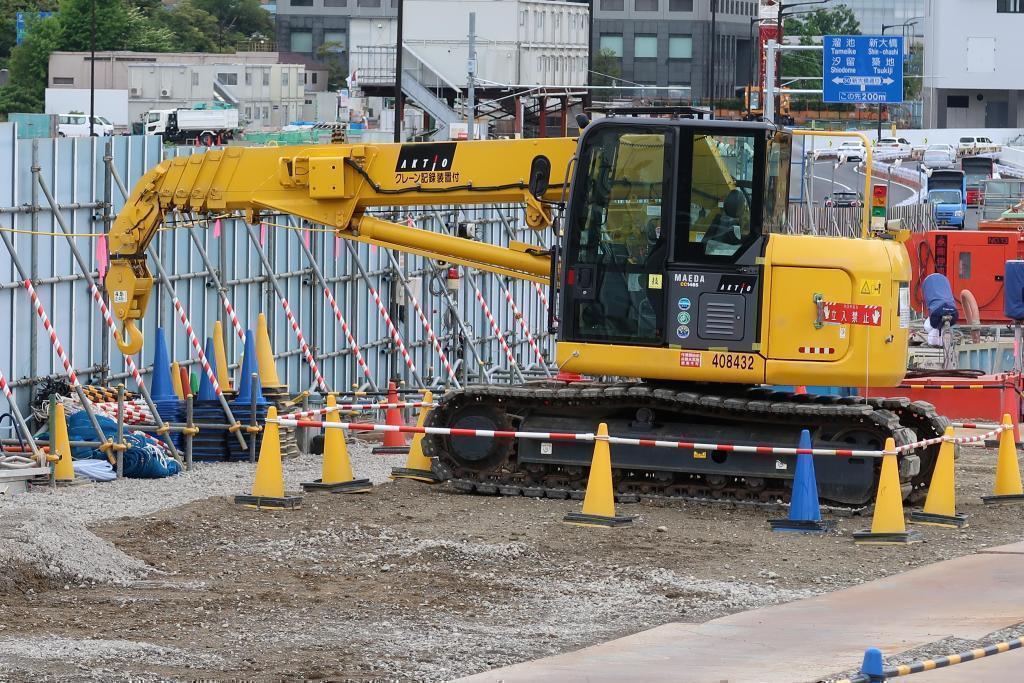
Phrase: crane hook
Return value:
(130, 339)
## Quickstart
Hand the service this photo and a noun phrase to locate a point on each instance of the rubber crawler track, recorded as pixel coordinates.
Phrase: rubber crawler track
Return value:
(899, 418)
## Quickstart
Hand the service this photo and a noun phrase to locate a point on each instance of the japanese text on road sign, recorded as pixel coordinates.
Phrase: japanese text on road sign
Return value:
(862, 69)
(851, 314)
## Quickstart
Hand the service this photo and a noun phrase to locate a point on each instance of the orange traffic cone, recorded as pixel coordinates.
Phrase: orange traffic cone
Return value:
(394, 442)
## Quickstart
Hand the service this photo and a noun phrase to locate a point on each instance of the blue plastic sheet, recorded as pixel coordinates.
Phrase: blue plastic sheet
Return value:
(145, 458)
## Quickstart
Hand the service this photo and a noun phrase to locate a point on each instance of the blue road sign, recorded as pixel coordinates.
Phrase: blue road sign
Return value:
(862, 69)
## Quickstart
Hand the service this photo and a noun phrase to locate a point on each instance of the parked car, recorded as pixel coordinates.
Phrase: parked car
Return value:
(939, 156)
(77, 126)
(976, 144)
(844, 199)
(900, 145)
(851, 151)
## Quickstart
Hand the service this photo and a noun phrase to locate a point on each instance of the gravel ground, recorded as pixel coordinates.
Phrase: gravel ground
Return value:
(168, 580)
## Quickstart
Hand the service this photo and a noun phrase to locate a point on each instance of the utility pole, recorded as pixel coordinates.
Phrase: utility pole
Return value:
(471, 74)
(92, 72)
(399, 99)
(711, 63)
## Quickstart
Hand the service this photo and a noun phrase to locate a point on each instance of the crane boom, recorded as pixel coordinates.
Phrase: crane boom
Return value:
(334, 185)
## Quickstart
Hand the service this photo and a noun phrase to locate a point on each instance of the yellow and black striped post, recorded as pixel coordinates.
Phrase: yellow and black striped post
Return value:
(929, 664)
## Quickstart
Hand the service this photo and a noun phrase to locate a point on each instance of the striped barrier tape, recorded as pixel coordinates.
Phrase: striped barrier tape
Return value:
(352, 343)
(303, 345)
(289, 421)
(313, 412)
(494, 327)
(54, 340)
(109, 320)
(392, 330)
(135, 412)
(973, 425)
(939, 662)
(999, 429)
(522, 323)
(194, 340)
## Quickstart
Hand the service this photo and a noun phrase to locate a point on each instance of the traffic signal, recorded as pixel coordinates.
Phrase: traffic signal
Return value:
(879, 200)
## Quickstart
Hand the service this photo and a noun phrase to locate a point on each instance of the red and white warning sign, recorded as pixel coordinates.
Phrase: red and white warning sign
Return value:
(689, 359)
(851, 314)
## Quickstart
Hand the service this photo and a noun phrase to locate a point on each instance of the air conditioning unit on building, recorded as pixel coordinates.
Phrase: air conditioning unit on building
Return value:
(165, 92)
(135, 92)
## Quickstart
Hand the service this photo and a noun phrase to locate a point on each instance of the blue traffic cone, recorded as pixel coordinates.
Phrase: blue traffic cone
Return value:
(873, 666)
(206, 392)
(804, 510)
(162, 389)
(246, 385)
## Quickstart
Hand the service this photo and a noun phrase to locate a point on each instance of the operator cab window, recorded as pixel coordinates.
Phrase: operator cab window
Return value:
(718, 212)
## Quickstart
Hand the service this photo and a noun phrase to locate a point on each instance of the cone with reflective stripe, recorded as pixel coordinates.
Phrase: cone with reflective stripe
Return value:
(599, 501)
(336, 473)
(63, 470)
(418, 465)
(804, 509)
(940, 506)
(394, 442)
(265, 356)
(220, 353)
(1008, 487)
(887, 524)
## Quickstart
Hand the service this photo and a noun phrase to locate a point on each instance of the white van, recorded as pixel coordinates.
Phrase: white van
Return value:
(974, 144)
(77, 126)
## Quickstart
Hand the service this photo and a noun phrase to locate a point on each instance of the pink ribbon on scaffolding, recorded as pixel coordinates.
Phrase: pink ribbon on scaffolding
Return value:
(263, 234)
(101, 256)
(216, 228)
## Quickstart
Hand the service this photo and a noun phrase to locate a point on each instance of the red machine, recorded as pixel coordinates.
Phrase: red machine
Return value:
(973, 260)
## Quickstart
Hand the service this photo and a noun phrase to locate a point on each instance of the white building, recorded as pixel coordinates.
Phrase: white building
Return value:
(972, 64)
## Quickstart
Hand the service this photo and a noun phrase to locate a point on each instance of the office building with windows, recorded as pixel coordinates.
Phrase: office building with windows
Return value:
(668, 42)
(972, 74)
(304, 26)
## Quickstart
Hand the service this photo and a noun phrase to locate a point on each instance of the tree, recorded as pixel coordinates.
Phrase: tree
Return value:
(330, 54)
(237, 19)
(607, 67)
(146, 35)
(839, 21)
(28, 67)
(75, 17)
(194, 29)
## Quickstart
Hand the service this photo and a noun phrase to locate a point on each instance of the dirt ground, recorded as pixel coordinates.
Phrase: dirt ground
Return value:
(412, 582)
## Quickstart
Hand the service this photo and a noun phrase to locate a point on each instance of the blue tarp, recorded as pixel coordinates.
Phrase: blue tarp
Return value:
(144, 458)
(1013, 293)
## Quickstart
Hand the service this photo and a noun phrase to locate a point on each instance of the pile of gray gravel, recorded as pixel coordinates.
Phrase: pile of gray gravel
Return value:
(46, 530)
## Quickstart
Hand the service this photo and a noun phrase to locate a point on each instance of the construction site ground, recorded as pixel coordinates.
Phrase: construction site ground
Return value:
(169, 580)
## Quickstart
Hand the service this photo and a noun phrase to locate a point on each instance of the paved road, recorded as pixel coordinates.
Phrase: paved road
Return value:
(967, 598)
(847, 178)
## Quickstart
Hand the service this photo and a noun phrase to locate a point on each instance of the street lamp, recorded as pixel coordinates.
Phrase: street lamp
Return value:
(886, 27)
(399, 104)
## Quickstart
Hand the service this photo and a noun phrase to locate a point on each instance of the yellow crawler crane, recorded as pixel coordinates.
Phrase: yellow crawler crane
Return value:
(669, 274)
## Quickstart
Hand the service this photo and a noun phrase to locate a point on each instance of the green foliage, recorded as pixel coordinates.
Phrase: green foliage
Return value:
(330, 54)
(139, 25)
(28, 65)
(837, 21)
(607, 67)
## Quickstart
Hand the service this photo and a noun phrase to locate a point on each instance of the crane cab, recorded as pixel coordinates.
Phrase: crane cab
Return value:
(674, 266)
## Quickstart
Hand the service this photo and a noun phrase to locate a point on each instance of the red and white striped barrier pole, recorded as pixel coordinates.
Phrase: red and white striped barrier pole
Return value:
(129, 362)
(524, 327)
(998, 429)
(434, 340)
(543, 297)
(221, 290)
(352, 343)
(497, 331)
(26, 433)
(566, 436)
(357, 407)
(303, 345)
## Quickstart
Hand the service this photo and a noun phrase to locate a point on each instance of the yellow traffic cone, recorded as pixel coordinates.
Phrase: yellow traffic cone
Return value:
(221, 355)
(176, 380)
(60, 444)
(887, 525)
(418, 465)
(940, 506)
(599, 501)
(268, 487)
(336, 475)
(1007, 488)
(265, 356)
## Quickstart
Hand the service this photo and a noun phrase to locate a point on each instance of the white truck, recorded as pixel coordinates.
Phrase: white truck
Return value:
(206, 126)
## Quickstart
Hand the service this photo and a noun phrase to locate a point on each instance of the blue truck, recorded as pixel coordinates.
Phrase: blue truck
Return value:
(947, 193)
